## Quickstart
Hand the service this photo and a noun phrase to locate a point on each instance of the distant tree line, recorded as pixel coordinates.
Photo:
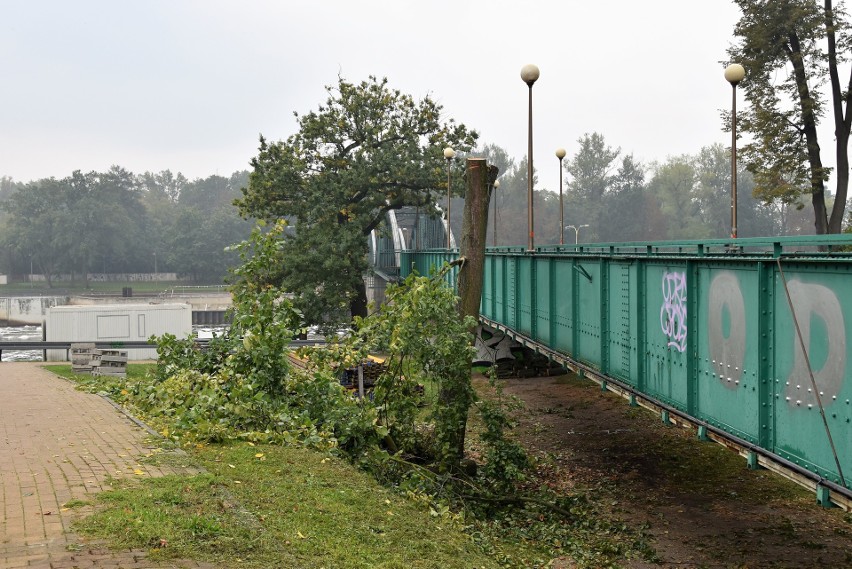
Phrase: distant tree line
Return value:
(621, 199)
(120, 222)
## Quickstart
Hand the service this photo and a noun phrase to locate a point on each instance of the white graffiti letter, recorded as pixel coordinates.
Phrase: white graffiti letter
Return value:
(728, 353)
(673, 310)
(817, 300)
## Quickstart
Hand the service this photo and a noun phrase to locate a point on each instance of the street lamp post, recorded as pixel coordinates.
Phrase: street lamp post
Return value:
(449, 153)
(530, 74)
(495, 185)
(734, 73)
(560, 153)
(576, 229)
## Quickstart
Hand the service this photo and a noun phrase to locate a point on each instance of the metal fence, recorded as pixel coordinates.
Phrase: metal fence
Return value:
(711, 330)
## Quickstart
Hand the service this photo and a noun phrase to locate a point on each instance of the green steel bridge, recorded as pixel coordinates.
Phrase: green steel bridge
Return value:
(747, 341)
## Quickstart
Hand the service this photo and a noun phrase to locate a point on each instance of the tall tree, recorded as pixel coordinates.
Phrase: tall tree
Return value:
(626, 205)
(102, 216)
(592, 171)
(789, 49)
(163, 186)
(713, 171)
(675, 185)
(35, 228)
(368, 150)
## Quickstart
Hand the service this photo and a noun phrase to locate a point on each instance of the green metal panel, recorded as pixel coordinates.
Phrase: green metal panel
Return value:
(488, 304)
(524, 295)
(589, 305)
(621, 339)
(666, 333)
(512, 292)
(562, 306)
(541, 299)
(640, 379)
(605, 323)
(502, 295)
(692, 361)
(728, 362)
(824, 312)
(766, 350)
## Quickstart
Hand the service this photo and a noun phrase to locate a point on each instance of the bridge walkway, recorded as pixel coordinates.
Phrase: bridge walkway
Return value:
(59, 445)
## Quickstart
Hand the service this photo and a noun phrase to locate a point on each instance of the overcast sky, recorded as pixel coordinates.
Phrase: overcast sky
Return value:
(188, 85)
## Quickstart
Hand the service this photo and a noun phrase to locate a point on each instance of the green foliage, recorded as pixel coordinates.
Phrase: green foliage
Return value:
(790, 50)
(592, 169)
(175, 354)
(427, 343)
(115, 221)
(243, 385)
(245, 388)
(242, 391)
(506, 461)
(368, 150)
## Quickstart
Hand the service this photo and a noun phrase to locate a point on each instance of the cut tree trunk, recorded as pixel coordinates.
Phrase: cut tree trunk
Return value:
(480, 179)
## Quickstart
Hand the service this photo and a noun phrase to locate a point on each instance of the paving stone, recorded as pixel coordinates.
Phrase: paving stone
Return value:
(58, 444)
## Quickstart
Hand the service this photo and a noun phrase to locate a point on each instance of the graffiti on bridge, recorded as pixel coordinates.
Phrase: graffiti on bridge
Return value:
(728, 338)
(727, 349)
(673, 310)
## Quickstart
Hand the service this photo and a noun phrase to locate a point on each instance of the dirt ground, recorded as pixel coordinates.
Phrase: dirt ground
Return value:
(699, 503)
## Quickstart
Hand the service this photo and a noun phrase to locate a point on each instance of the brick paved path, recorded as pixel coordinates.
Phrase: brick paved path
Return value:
(58, 444)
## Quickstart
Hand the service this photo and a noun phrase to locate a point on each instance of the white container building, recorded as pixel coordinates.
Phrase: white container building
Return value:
(116, 323)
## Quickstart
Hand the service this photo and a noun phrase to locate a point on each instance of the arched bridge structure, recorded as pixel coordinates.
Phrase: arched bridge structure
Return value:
(749, 341)
(408, 228)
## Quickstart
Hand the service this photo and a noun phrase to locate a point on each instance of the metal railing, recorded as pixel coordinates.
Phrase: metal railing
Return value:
(43, 346)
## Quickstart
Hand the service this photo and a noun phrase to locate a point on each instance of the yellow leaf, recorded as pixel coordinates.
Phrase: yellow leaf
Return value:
(259, 455)
(231, 466)
(237, 482)
(138, 472)
(300, 535)
(390, 513)
(251, 444)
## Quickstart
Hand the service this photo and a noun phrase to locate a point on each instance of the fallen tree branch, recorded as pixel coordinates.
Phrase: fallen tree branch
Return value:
(457, 262)
(520, 500)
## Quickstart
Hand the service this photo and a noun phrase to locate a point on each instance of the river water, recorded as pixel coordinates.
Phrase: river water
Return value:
(21, 334)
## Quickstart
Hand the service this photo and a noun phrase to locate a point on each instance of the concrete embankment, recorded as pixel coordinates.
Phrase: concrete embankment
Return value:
(26, 310)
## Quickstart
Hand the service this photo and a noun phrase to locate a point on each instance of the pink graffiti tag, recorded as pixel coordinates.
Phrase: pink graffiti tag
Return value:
(673, 310)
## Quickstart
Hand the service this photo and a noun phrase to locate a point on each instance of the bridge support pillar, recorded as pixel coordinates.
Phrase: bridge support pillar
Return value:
(753, 464)
(823, 497)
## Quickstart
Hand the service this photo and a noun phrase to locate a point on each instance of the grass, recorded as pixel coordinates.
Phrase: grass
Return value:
(272, 506)
(276, 506)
